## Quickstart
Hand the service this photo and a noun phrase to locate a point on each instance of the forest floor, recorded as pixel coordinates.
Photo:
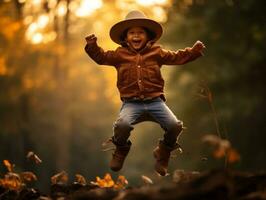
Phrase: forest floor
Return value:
(210, 185)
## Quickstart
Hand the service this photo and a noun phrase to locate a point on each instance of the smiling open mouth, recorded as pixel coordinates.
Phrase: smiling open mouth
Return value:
(136, 42)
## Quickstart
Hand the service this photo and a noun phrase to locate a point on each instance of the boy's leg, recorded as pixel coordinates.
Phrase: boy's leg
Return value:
(172, 127)
(167, 120)
(128, 116)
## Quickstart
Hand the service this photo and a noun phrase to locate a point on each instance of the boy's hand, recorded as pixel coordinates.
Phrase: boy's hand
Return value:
(199, 47)
(91, 39)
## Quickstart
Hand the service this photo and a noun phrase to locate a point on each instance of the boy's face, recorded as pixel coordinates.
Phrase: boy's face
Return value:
(137, 38)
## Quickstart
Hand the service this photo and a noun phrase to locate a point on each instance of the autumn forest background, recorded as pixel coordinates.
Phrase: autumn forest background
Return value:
(55, 101)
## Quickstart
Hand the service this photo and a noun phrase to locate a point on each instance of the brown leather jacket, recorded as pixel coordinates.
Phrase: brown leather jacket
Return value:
(138, 73)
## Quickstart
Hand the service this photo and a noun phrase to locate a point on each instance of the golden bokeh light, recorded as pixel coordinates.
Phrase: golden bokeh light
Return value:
(36, 2)
(37, 31)
(37, 38)
(52, 4)
(42, 21)
(159, 14)
(31, 30)
(62, 9)
(152, 2)
(49, 37)
(87, 7)
(28, 20)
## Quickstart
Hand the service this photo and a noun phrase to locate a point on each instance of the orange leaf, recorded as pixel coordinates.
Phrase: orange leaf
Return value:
(121, 182)
(28, 176)
(11, 181)
(232, 155)
(8, 165)
(219, 153)
(80, 179)
(106, 182)
(61, 177)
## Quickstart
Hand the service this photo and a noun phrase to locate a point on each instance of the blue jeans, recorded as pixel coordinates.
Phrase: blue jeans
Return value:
(135, 111)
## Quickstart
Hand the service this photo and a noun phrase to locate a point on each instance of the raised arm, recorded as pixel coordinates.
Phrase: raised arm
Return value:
(182, 56)
(97, 54)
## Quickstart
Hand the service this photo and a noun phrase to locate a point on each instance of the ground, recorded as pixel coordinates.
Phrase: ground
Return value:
(222, 184)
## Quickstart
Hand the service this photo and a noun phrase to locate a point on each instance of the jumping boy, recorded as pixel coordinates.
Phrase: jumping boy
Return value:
(138, 62)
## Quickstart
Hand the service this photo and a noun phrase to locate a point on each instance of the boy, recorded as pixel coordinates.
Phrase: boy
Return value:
(138, 61)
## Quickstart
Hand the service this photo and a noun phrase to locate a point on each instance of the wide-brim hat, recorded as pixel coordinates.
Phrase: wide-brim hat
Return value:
(135, 18)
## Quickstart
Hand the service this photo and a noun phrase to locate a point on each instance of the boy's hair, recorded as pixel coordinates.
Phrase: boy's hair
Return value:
(150, 34)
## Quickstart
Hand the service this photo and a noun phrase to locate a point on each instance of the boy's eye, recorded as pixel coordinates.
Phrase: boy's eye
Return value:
(136, 33)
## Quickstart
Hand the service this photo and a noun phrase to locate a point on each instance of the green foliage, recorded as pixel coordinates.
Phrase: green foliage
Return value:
(234, 33)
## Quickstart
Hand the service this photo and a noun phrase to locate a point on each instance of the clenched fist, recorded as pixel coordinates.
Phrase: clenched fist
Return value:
(91, 39)
(198, 46)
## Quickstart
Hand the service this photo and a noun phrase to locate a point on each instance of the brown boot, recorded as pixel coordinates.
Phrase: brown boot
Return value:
(162, 154)
(119, 156)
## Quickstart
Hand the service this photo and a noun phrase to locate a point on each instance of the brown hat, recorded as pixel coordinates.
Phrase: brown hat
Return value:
(135, 18)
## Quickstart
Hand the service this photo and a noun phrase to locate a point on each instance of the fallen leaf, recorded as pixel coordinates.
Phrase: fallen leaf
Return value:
(121, 183)
(11, 181)
(146, 180)
(108, 182)
(8, 165)
(232, 156)
(60, 178)
(32, 156)
(80, 179)
(28, 176)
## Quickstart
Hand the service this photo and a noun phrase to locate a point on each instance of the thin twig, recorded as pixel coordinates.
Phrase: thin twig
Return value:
(206, 92)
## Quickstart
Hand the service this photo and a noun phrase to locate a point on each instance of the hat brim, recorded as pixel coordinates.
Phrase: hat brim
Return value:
(118, 29)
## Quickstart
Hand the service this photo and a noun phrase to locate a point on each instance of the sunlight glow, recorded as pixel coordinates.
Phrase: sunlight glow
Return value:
(152, 2)
(32, 29)
(27, 20)
(52, 3)
(87, 7)
(36, 2)
(73, 6)
(49, 37)
(161, 2)
(37, 38)
(159, 14)
(40, 29)
(62, 9)
(42, 21)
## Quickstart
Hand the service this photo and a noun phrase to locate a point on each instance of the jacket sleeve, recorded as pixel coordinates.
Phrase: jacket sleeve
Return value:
(179, 57)
(100, 56)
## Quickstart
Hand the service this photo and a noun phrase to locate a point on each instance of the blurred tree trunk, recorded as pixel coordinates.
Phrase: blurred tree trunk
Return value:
(61, 67)
(18, 8)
